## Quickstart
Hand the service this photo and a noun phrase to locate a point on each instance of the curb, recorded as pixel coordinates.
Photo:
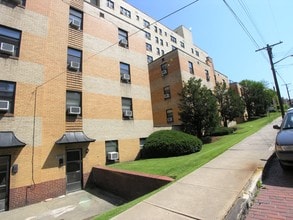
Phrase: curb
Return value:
(241, 206)
(244, 202)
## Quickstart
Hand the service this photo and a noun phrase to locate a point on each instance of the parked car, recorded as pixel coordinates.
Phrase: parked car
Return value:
(284, 141)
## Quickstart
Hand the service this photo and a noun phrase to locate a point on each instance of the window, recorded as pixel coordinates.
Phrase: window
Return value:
(15, 2)
(111, 146)
(173, 39)
(149, 59)
(123, 38)
(147, 35)
(158, 51)
(74, 60)
(73, 103)
(169, 115)
(156, 29)
(7, 96)
(166, 34)
(110, 4)
(94, 2)
(190, 66)
(137, 17)
(157, 40)
(161, 42)
(182, 44)
(164, 69)
(167, 92)
(141, 142)
(127, 108)
(125, 73)
(146, 24)
(125, 12)
(148, 47)
(75, 19)
(9, 41)
(160, 31)
(207, 75)
(162, 52)
(174, 48)
(197, 53)
(192, 50)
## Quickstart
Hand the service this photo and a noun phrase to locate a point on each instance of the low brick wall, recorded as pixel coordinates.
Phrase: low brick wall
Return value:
(27, 195)
(126, 184)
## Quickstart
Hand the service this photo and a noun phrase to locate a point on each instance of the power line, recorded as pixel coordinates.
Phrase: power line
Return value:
(248, 14)
(241, 24)
(108, 47)
(244, 27)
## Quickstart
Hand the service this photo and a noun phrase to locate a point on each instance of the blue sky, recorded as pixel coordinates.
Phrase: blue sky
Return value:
(216, 31)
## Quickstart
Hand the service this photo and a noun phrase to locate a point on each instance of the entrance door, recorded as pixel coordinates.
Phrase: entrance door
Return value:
(4, 182)
(73, 170)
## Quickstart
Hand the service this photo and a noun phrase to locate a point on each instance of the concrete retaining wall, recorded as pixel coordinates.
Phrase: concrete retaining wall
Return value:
(126, 184)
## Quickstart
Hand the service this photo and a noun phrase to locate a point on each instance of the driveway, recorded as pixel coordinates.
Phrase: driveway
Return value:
(73, 206)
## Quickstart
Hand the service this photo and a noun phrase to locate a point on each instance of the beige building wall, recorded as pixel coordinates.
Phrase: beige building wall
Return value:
(42, 79)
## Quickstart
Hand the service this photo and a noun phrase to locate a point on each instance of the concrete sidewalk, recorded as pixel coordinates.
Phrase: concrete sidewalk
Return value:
(212, 190)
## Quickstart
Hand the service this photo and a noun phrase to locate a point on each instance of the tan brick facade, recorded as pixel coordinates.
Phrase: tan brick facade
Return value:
(42, 80)
(177, 62)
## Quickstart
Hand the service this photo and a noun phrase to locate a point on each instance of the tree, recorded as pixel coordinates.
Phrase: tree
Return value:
(230, 104)
(198, 108)
(257, 97)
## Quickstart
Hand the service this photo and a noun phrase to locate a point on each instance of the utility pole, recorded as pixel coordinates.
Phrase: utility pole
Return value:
(269, 50)
(288, 93)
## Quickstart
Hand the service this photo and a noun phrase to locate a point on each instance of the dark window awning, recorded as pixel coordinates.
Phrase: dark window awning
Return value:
(8, 139)
(74, 137)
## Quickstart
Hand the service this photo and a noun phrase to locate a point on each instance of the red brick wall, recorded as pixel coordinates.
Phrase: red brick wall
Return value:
(27, 195)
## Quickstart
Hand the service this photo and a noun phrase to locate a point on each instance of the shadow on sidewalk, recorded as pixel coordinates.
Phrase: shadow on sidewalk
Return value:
(274, 175)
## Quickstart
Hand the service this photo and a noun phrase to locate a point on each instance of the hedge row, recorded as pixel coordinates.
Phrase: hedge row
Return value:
(220, 131)
(168, 143)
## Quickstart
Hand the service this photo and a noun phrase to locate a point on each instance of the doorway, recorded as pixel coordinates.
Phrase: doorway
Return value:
(4, 182)
(73, 170)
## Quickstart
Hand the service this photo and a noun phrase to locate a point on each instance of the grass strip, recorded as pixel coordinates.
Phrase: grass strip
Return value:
(177, 167)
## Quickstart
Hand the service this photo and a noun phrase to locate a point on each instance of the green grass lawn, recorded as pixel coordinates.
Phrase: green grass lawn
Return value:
(177, 167)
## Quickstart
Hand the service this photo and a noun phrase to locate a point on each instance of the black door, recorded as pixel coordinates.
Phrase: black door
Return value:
(4, 182)
(73, 170)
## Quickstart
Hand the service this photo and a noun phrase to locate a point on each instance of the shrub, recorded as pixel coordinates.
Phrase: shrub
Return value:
(206, 139)
(168, 143)
(220, 131)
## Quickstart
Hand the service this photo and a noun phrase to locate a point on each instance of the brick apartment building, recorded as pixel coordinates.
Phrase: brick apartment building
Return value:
(76, 90)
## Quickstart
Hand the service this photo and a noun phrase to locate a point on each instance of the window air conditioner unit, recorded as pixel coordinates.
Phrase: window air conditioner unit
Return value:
(123, 42)
(74, 65)
(113, 155)
(16, 1)
(4, 105)
(164, 72)
(7, 48)
(127, 113)
(167, 95)
(75, 24)
(74, 110)
(169, 119)
(126, 76)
